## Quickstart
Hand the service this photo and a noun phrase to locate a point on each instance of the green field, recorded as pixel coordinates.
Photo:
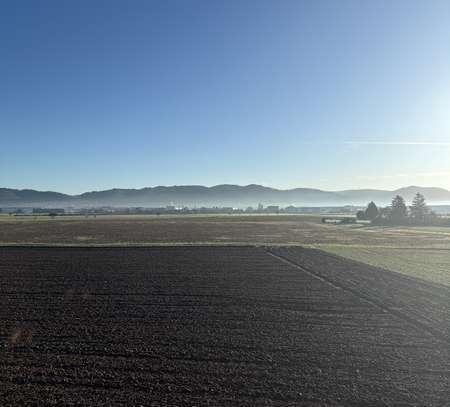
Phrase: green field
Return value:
(428, 264)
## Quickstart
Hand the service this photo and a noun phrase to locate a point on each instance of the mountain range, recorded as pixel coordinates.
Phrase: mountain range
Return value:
(219, 195)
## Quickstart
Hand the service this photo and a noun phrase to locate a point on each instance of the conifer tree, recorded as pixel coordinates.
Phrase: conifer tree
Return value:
(371, 211)
(419, 208)
(399, 211)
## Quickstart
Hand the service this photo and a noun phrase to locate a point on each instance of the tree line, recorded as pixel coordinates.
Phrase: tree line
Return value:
(398, 213)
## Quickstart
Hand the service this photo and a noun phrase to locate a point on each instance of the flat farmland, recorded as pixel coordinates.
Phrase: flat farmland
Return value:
(422, 252)
(426, 263)
(217, 326)
(223, 229)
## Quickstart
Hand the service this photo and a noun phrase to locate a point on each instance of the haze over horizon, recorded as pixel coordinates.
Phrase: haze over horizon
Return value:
(227, 184)
(235, 196)
(103, 94)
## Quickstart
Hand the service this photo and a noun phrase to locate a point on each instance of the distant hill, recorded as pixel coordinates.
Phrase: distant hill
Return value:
(219, 195)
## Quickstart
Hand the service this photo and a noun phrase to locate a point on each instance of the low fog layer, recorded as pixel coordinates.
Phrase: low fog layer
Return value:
(220, 195)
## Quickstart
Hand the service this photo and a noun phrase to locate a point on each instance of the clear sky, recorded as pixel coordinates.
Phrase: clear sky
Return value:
(327, 94)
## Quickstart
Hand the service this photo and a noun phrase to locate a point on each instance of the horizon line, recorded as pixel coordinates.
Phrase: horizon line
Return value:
(227, 184)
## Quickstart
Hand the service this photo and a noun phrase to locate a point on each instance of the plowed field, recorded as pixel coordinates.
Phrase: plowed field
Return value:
(217, 326)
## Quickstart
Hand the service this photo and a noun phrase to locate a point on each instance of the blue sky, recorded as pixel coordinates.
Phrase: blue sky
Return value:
(327, 94)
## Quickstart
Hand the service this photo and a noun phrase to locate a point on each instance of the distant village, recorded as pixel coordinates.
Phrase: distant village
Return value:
(174, 210)
(350, 210)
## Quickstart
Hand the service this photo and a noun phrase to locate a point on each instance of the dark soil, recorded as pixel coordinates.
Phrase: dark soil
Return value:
(211, 326)
(423, 303)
